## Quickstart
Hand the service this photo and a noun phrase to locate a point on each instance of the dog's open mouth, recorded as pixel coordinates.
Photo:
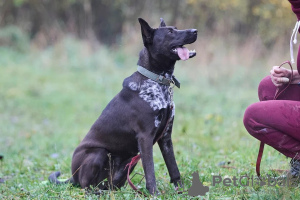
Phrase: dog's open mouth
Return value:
(183, 52)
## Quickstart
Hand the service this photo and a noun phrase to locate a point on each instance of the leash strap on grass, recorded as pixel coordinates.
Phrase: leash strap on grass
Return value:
(259, 156)
(133, 162)
(277, 93)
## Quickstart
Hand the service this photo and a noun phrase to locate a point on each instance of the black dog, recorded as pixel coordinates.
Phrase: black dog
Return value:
(136, 117)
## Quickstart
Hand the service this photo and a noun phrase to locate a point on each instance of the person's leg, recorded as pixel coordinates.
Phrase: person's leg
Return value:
(277, 122)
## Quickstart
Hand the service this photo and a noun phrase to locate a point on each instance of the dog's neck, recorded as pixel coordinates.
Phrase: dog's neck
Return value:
(165, 68)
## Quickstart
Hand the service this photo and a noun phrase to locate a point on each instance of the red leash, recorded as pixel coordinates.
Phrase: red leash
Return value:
(277, 93)
(133, 161)
(136, 158)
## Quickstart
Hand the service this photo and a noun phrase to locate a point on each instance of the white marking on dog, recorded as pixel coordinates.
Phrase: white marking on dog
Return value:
(172, 118)
(155, 94)
(166, 133)
(173, 110)
(157, 121)
(168, 128)
(133, 86)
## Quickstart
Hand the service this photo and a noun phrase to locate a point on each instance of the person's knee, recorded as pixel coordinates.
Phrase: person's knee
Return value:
(255, 120)
(250, 119)
(266, 89)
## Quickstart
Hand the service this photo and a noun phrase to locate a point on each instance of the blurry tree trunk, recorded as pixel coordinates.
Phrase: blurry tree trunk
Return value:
(7, 9)
(107, 20)
(175, 10)
(80, 18)
(252, 20)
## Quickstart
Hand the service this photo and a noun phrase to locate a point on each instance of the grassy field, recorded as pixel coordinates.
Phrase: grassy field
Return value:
(50, 98)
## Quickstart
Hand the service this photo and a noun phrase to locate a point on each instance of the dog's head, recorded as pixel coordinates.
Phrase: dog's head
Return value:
(167, 42)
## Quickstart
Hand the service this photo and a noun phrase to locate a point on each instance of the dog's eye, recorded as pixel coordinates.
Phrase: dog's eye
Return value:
(170, 31)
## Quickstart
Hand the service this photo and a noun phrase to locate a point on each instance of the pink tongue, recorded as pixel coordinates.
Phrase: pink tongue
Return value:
(183, 53)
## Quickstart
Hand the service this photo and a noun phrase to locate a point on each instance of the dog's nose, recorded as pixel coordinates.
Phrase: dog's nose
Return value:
(194, 31)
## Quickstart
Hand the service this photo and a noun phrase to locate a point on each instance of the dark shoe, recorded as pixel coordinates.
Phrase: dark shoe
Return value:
(295, 168)
(292, 177)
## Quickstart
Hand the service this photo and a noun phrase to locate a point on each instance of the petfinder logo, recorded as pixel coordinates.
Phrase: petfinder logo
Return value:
(198, 189)
(245, 181)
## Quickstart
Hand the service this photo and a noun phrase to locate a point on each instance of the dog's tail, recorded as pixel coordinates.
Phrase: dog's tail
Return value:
(53, 179)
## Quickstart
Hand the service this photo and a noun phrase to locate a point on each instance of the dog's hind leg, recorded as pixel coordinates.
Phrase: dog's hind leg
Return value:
(93, 168)
(119, 174)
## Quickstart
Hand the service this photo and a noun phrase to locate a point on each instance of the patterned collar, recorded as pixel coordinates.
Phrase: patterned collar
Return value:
(158, 78)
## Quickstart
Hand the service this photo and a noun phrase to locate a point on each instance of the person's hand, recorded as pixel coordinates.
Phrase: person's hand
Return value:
(280, 76)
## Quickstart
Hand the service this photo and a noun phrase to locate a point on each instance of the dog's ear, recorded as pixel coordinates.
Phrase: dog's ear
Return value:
(162, 23)
(147, 32)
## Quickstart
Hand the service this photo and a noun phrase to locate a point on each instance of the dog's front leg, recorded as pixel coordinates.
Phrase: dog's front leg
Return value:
(146, 151)
(166, 147)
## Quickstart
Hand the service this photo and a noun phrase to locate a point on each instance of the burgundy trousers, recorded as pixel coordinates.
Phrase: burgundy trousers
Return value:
(276, 122)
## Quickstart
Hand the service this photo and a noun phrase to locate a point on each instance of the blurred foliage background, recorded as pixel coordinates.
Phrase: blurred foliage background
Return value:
(254, 29)
(62, 61)
(46, 21)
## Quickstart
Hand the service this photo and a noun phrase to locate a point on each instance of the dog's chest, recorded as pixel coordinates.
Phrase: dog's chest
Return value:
(156, 95)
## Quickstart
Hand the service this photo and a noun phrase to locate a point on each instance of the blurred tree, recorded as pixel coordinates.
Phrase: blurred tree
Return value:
(108, 19)
(105, 19)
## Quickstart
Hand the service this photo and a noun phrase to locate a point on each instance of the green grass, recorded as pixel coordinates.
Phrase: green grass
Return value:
(50, 98)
